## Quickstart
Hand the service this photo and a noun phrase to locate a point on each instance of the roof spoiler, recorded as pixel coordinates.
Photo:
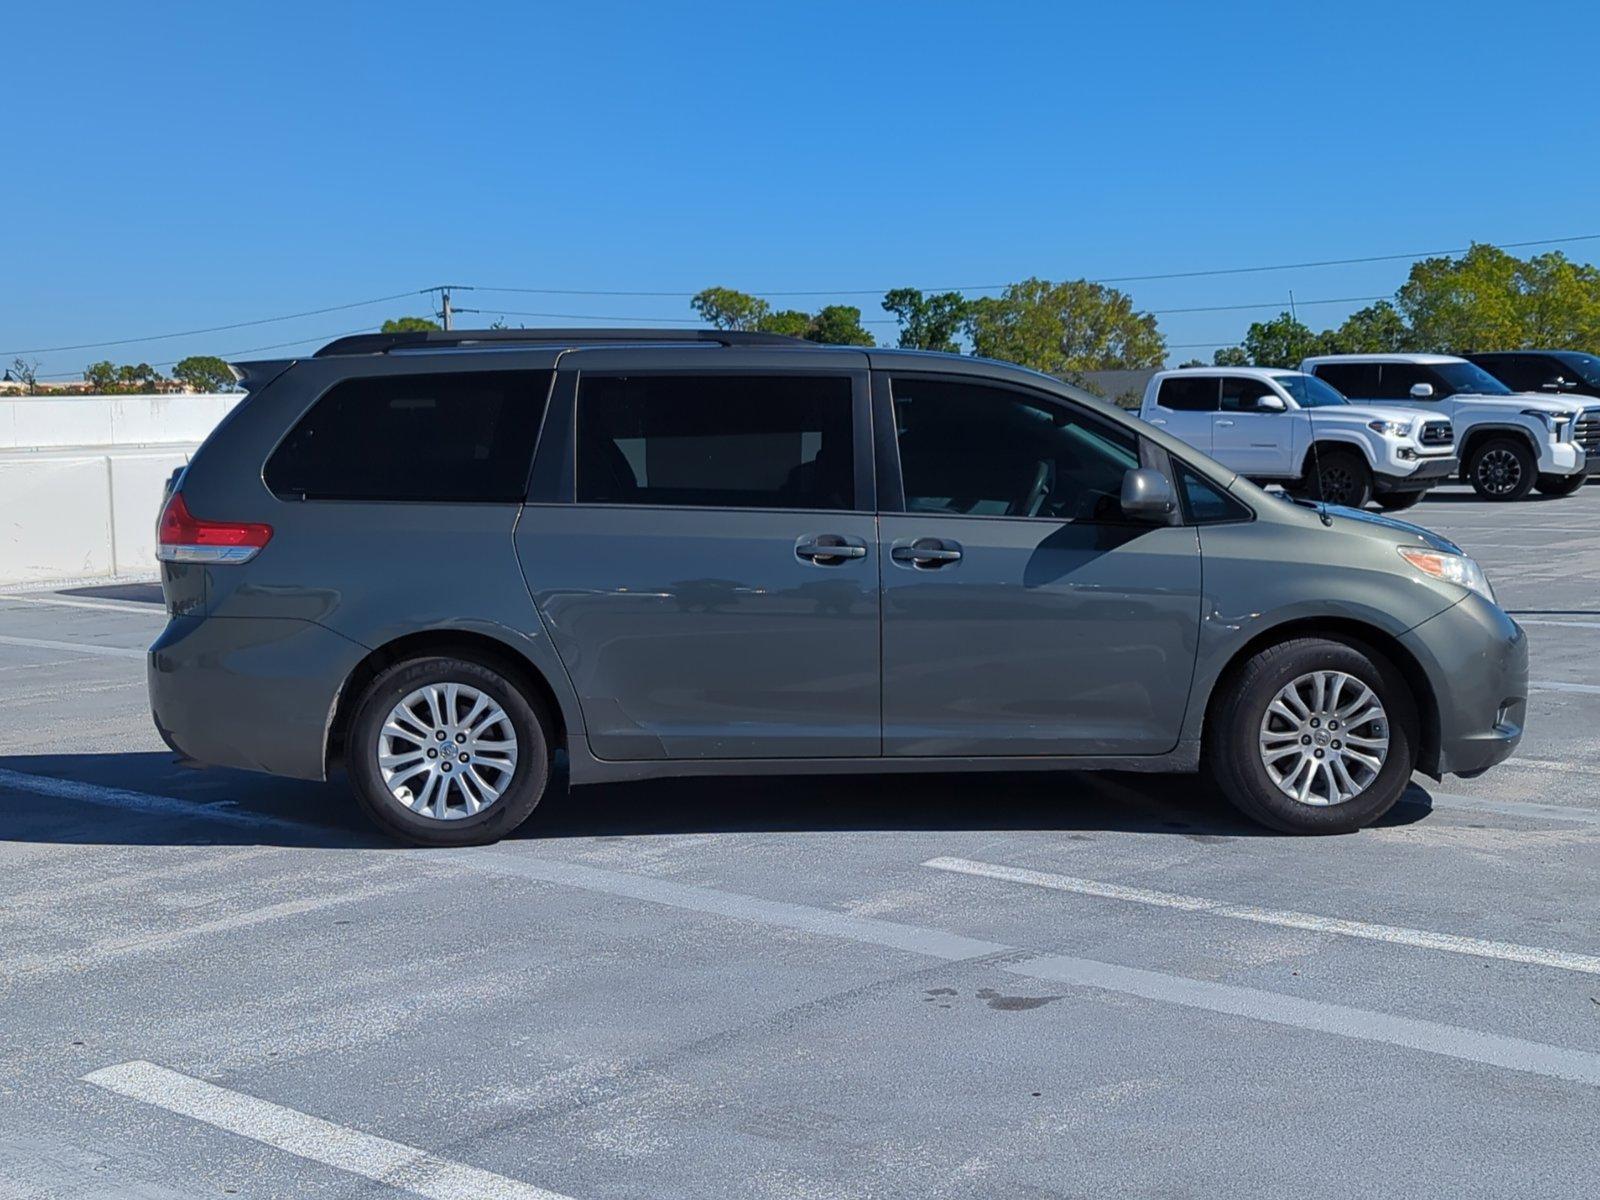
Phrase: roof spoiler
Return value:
(383, 343)
(256, 374)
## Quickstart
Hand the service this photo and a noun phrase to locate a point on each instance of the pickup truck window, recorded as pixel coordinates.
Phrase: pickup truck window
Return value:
(1241, 393)
(1309, 391)
(1350, 378)
(1468, 377)
(1192, 394)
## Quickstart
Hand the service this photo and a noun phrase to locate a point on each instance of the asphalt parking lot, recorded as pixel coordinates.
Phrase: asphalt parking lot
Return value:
(214, 983)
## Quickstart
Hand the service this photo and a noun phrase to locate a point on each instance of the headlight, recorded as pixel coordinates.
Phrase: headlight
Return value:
(1452, 568)
(1558, 424)
(1391, 428)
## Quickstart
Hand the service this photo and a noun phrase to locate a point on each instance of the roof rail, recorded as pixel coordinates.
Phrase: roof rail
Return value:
(382, 343)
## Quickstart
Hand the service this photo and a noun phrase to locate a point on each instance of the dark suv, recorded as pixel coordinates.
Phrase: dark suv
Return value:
(439, 559)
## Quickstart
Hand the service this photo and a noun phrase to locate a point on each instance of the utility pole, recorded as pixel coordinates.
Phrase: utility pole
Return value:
(1293, 316)
(446, 311)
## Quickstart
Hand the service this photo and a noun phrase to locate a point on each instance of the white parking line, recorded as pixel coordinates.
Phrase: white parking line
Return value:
(76, 647)
(128, 606)
(1559, 624)
(1547, 685)
(102, 796)
(1513, 808)
(393, 1164)
(1395, 934)
(1274, 1008)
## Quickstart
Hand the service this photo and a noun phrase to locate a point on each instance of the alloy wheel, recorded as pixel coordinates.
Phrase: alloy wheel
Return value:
(1324, 738)
(447, 751)
(1499, 472)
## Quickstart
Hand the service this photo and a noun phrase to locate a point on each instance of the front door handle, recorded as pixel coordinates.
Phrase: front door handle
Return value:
(1224, 424)
(927, 553)
(828, 549)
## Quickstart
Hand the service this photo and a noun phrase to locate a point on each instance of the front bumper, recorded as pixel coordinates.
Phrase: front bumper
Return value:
(1476, 661)
(250, 692)
(1561, 458)
(1429, 473)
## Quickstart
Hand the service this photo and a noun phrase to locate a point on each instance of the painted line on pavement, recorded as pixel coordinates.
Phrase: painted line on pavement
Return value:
(102, 796)
(152, 609)
(1547, 685)
(393, 1164)
(1274, 1008)
(75, 647)
(1559, 624)
(1398, 935)
(1511, 808)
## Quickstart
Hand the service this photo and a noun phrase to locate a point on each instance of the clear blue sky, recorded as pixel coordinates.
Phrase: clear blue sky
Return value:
(172, 166)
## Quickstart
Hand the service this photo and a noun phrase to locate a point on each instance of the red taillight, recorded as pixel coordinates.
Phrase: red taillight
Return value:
(184, 537)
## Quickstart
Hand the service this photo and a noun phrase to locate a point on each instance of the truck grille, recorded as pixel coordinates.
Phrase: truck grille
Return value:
(1439, 433)
(1587, 432)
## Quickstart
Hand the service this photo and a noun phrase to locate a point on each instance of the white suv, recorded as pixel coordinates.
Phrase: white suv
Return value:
(1511, 442)
(1276, 426)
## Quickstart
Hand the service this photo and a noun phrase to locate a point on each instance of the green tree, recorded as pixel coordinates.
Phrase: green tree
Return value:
(725, 308)
(1490, 300)
(1377, 329)
(204, 373)
(839, 325)
(1063, 328)
(790, 322)
(409, 325)
(113, 379)
(1281, 342)
(1230, 356)
(927, 322)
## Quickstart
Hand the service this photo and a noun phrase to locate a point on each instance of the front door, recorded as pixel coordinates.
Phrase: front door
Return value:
(1021, 614)
(1255, 442)
(713, 590)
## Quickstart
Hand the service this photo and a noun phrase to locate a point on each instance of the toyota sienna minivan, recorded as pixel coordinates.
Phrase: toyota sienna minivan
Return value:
(434, 560)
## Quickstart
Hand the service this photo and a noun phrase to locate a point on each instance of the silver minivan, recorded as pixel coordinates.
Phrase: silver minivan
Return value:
(437, 560)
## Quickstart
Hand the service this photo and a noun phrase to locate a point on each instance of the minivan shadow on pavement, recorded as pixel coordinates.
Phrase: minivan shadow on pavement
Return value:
(325, 815)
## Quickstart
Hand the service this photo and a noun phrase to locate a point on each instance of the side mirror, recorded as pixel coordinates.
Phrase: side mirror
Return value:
(1422, 391)
(1147, 496)
(1270, 403)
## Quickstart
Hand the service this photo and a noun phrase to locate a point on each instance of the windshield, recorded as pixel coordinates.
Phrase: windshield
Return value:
(1586, 365)
(1469, 377)
(1309, 391)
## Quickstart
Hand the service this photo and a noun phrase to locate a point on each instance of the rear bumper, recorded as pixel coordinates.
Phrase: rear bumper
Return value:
(1429, 473)
(1476, 660)
(251, 692)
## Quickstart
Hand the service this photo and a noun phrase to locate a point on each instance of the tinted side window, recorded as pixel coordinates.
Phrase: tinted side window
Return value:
(1516, 371)
(1197, 394)
(1205, 504)
(1397, 380)
(718, 441)
(1240, 393)
(460, 438)
(1356, 380)
(988, 451)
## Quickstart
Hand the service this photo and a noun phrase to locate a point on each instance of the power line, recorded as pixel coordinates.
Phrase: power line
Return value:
(159, 337)
(990, 287)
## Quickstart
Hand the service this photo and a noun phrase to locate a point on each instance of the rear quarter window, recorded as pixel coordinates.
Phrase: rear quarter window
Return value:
(451, 438)
(1189, 394)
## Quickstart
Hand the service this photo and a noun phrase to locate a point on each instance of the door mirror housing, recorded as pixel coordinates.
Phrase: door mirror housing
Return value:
(1270, 403)
(1147, 496)
(1422, 391)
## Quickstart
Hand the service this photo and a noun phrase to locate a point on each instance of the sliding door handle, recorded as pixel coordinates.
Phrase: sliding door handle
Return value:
(828, 550)
(927, 553)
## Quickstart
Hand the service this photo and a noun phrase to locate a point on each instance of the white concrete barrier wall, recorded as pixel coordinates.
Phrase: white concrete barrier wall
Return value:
(81, 478)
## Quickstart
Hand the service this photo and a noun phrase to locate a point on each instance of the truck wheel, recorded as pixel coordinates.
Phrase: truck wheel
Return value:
(1313, 735)
(1396, 501)
(444, 751)
(1560, 485)
(1340, 477)
(1502, 468)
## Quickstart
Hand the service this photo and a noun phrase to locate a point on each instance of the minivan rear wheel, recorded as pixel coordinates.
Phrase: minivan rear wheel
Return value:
(446, 751)
(1313, 735)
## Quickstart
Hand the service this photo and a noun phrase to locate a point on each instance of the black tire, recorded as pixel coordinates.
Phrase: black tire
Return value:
(1502, 469)
(517, 800)
(1339, 477)
(1560, 485)
(1233, 757)
(1398, 501)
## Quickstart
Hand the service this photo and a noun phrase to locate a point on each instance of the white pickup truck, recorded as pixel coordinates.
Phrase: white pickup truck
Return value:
(1285, 427)
(1511, 442)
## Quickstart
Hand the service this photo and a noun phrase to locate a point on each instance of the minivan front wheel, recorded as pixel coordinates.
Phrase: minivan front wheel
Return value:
(445, 751)
(1313, 735)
